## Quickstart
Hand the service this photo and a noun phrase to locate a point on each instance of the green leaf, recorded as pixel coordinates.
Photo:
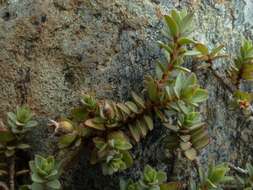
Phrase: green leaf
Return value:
(36, 178)
(199, 96)
(79, 114)
(66, 140)
(165, 47)
(176, 16)
(172, 25)
(134, 132)
(152, 88)
(192, 53)
(171, 186)
(202, 48)
(6, 136)
(216, 50)
(187, 22)
(185, 41)
(191, 154)
(132, 106)
(127, 158)
(185, 145)
(138, 100)
(121, 145)
(95, 123)
(249, 169)
(149, 122)
(184, 69)
(124, 108)
(180, 80)
(23, 146)
(55, 184)
(161, 177)
(9, 153)
(37, 186)
(31, 124)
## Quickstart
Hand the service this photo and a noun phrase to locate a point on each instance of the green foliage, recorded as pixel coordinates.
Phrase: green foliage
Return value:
(202, 53)
(243, 65)
(113, 151)
(151, 180)
(246, 181)
(45, 173)
(12, 134)
(21, 121)
(216, 175)
(172, 91)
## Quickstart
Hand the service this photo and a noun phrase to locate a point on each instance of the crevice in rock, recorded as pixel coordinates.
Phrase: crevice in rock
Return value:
(22, 85)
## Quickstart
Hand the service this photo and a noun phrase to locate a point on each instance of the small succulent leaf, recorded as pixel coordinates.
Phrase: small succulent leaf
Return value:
(200, 95)
(132, 106)
(172, 25)
(37, 186)
(196, 138)
(186, 22)
(127, 158)
(177, 17)
(165, 47)
(186, 41)
(99, 143)
(202, 143)
(249, 168)
(191, 154)
(185, 138)
(36, 178)
(149, 122)
(202, 48)
(216, 50)
(180, 68)
(138, 100)
(122, 145)
(95, 123)
(196, 126)
(55, 184)
(6, 136)
(151, 87)
(134, 132)
(124, 108)
(179, 83)
(171, 127)
(192, 53)
(79, 114)
(171, 186)
(67, 140)
(9, 153)
(23, 146)
(31, 124)
(160, 69)
(185, 145)
(161, 177)
(142, 128)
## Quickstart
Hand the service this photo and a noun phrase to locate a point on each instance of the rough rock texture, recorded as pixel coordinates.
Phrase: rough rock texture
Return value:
(52, 51)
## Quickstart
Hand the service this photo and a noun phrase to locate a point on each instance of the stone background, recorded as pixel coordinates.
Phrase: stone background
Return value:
(52, 51)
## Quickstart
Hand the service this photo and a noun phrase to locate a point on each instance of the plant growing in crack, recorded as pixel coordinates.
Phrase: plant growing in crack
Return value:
(12, 141)
(115, 127)
(151, 179)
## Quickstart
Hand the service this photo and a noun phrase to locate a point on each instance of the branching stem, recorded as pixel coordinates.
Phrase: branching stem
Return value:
(3, 186)
(12, 173)
(237, 169)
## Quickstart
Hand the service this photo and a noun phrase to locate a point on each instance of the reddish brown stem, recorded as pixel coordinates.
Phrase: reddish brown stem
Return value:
(12, 173)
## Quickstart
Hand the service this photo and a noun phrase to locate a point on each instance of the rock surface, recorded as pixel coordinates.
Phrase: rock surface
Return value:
(52, 51)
